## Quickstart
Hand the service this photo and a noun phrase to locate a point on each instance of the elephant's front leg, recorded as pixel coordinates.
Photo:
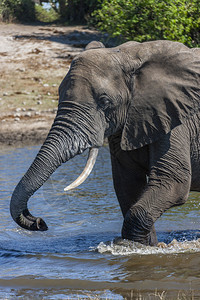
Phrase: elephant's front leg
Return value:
(129, 171)
(169, 185)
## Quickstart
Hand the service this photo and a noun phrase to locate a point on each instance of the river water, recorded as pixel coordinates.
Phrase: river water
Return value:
(81, 255)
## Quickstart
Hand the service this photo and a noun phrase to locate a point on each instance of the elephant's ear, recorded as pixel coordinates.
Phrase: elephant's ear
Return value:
(94, 45)
(165, 91)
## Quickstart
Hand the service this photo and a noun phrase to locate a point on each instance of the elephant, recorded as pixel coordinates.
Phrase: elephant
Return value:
(144, 98)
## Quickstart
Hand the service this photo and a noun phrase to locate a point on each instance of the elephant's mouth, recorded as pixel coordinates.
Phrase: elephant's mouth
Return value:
(92, 156)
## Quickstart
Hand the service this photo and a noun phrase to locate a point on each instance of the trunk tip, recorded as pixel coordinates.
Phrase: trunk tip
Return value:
(27, 221)
(41, 225)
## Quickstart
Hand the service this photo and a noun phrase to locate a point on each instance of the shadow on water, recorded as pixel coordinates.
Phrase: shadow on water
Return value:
(25, 245)
(179, 235)
(42, 243)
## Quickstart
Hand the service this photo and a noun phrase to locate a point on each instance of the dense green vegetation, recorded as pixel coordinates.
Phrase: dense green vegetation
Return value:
(68, 11)
(139, 20)
(44, 15)
(21, 10)
(143, 20)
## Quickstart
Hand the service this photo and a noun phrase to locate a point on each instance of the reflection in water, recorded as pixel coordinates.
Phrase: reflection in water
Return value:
(81, 254)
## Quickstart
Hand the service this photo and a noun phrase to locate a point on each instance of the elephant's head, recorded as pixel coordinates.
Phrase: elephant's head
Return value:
(141, 91)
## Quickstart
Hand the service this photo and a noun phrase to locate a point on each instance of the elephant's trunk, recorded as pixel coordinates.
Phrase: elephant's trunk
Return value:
(43, 166)
(65, 140)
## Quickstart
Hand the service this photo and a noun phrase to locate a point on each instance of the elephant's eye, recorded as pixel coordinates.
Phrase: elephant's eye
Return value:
(104, 102)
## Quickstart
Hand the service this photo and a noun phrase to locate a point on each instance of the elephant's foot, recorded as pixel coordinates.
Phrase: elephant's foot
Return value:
(138, 226)
(27, 221)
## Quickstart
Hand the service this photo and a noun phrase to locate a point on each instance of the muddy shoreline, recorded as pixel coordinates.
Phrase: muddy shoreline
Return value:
(33, 61)
(21, 131)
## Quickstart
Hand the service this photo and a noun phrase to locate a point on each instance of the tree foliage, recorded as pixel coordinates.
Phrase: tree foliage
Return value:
(78, 10)
(139, 20)
(70, 11)
(46, 15)
(20, 10)
(143, 20)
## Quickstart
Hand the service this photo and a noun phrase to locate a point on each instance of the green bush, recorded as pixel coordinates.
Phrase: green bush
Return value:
(144, 20)
(44, 15)
(20, 10)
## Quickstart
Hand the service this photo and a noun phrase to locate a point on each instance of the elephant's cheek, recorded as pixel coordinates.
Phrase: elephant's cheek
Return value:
(137, 226)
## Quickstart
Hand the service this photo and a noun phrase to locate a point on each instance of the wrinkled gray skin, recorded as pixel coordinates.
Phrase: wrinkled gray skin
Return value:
(145, 98)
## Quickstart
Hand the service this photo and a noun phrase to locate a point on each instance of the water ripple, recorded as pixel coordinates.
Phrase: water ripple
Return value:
(125, 247)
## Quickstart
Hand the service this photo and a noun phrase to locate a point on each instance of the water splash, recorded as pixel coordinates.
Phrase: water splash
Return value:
(124, 247)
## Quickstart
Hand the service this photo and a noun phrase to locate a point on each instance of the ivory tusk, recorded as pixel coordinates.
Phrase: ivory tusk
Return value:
(93, 152)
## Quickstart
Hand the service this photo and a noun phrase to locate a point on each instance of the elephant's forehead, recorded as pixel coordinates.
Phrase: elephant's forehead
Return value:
(97, 55)
(91, 71)
(100, 61)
